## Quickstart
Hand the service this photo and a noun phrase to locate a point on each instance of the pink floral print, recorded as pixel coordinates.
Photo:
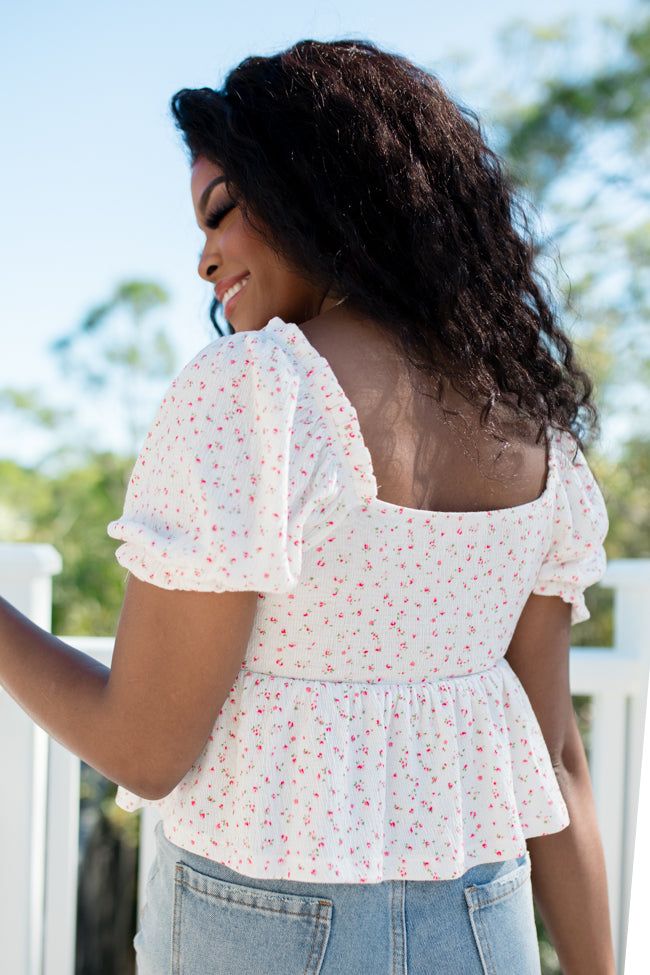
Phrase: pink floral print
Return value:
(375, 730)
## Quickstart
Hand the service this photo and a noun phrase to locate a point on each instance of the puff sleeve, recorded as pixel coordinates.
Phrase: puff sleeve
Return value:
(217, 501)
(576, 557)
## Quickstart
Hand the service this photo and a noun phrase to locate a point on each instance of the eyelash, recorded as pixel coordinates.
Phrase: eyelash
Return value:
(215, 217)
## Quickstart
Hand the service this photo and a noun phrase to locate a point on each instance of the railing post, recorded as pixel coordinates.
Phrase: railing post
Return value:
(26, 581)
(607, 767)
(630, 580)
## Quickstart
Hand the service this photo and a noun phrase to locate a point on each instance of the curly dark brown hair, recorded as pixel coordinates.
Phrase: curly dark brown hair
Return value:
(358, 168)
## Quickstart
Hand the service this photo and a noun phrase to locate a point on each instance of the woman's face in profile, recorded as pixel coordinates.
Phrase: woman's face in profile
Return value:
(233, 251)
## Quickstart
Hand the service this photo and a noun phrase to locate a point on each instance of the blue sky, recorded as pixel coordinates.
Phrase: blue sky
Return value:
(95, 184)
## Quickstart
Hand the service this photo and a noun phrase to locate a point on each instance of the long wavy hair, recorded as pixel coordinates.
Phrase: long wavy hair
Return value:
(358, 168)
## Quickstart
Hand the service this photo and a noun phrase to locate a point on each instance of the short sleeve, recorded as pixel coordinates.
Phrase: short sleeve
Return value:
(221, 489)
(576, 557)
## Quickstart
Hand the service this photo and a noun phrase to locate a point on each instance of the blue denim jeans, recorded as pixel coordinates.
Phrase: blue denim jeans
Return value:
(202, 918)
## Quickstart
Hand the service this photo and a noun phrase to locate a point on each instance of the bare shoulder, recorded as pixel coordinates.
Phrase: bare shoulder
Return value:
(422, 458)
(343, 336)
(359, 352)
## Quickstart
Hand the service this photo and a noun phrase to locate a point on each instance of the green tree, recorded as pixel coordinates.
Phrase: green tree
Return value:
(576, 137)
(120, 364)
(115, 353)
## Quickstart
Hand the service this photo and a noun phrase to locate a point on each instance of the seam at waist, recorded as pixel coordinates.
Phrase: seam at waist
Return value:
(379, 683)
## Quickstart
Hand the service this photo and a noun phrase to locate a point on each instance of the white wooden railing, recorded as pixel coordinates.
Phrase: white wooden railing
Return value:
(39, 812)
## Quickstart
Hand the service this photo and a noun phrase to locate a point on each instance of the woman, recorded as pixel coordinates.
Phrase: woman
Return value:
(338, 673)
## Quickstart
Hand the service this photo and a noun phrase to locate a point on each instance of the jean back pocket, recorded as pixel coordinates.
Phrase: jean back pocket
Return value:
(221, 928)
(502, 916)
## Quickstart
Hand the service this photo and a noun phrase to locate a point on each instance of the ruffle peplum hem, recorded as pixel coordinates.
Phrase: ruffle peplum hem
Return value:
(347, 782)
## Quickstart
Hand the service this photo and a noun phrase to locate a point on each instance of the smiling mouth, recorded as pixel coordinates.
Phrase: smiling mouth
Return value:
(234, 293)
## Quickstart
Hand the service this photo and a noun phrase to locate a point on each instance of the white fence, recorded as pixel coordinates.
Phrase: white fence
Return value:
(39, 814)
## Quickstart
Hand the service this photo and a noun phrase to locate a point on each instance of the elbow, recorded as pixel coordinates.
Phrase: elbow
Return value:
(573, 758)
(561, 774)
(146, 786)
(154, 773)
(161, 787)
(152, 794)
(570, 767)
(154, 790)
(141, 787)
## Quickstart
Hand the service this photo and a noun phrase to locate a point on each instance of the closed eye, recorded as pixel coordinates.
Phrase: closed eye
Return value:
(214, 217)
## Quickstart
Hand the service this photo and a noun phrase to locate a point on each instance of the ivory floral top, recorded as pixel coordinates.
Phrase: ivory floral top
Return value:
(375, 730)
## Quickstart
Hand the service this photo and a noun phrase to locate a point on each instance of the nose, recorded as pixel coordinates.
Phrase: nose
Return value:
(205, 268)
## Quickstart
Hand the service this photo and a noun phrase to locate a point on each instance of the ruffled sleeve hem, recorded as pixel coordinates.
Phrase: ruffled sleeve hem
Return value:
(176, 573)
(576, 557)
(571, 594)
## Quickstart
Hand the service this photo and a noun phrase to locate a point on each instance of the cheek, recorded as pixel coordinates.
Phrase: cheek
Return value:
(269, 271)
(243, 244)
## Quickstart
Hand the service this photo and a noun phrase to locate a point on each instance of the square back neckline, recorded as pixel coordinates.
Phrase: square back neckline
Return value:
(347, 422)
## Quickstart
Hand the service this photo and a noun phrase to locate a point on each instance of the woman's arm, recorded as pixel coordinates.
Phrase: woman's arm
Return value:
(569, 879)
(63, 690)
(567, 868)
(143, 721)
